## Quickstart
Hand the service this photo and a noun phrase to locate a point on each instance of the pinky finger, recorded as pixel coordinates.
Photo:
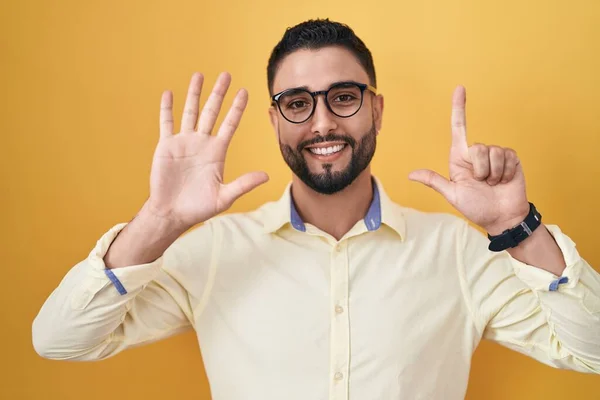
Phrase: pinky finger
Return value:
(511, 161)
(166, 114)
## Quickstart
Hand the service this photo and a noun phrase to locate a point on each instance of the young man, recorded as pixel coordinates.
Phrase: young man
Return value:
(333, 291)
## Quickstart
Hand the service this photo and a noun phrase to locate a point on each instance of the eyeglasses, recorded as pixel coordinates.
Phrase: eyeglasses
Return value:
(343, 99)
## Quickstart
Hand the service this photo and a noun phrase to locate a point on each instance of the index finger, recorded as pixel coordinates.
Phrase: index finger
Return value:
(234, 116)
(458, 119)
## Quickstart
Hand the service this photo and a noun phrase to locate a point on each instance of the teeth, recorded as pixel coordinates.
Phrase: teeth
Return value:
(325, 151)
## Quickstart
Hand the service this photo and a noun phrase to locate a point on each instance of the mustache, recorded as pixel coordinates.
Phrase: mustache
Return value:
(330, 137)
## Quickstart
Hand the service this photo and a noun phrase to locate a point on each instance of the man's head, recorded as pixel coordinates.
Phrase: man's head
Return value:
(327, 139)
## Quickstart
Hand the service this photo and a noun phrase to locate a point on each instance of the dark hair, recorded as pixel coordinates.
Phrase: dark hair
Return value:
(314, 35)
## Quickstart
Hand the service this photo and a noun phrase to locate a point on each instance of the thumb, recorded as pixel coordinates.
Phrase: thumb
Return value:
(242, 185)
(433, 180)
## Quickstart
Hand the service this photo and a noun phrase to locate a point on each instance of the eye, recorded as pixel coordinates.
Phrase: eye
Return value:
(297, 104)
(344, 98)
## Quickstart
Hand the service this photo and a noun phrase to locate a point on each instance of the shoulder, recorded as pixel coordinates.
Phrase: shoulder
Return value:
(427, 223)
(221, 237)
(246, 224)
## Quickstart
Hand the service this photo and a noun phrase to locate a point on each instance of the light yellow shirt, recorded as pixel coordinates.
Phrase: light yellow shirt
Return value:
(393, 310)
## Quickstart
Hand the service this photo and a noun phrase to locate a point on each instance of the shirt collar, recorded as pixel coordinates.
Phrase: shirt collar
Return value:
(381, 211)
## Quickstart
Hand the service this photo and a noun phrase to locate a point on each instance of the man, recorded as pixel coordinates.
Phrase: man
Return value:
(333, 291)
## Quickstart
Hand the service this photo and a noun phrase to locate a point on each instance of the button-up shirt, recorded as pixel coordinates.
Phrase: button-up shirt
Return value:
(392, 310)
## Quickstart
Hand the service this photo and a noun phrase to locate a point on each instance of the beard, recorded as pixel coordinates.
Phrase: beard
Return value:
(329, 182)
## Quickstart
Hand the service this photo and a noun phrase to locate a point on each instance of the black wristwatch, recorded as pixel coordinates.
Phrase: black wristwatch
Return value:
(512, 237)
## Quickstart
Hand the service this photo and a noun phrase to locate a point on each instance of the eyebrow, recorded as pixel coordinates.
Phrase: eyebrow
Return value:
(305, 87)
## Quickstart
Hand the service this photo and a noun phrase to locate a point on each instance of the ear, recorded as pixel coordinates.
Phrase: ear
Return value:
(274, 119)
(378, 111)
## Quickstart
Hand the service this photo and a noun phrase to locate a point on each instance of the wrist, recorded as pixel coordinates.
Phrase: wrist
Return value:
(499, 227)
(153, 222)
(143, 240)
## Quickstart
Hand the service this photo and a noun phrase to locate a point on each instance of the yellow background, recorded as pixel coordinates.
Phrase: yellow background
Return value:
(81, 85)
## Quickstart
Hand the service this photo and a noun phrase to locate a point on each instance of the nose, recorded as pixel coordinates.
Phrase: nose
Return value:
(323, 121)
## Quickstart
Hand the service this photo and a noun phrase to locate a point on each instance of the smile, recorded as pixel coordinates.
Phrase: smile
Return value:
(326, 151)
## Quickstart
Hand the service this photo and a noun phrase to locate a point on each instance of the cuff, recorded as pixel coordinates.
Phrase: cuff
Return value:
(542, 280)
(126, 279)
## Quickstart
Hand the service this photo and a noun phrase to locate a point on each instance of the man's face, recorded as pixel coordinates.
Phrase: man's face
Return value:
(327, 152)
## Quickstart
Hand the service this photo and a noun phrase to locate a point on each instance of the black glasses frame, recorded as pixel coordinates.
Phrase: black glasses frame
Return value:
(275, 99)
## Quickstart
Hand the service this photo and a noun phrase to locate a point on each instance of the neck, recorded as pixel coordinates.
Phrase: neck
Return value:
(335, 214)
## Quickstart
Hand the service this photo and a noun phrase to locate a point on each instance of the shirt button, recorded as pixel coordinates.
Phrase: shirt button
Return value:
(338, 376)
(339, 309)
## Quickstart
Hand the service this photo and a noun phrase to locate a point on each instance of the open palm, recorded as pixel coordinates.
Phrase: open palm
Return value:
(186, 181)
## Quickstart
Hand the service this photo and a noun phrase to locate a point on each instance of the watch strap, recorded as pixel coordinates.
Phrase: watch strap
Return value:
(512, 237)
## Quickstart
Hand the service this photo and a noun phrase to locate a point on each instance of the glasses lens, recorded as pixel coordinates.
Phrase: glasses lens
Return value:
(345, 99)
(296, 105)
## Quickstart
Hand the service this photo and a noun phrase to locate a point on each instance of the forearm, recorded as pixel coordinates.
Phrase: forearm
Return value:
(573, 312)
(529, 309)
(89, 317)
(76, 324)
(560, 328)
(143, 240)
(85, 310)
(571, 305)
(540, 250)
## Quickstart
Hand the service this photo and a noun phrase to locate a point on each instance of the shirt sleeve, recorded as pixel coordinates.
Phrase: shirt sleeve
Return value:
(95, 313)
(555, 320)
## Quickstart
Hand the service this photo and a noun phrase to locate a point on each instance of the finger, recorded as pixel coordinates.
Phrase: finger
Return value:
(166, 114)
(242, 185)
(190, 110)
(211, 109)
(480, 159)
(511, 161)
(435, 181)
(234, 116)
(496, 164)
(459, 120)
